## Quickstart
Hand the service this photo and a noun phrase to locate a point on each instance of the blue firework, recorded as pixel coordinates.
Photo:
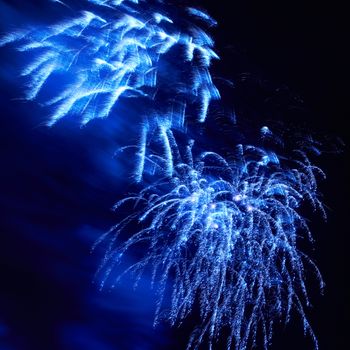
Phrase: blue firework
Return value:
(225, 235)
(120, 49)
(222, 231)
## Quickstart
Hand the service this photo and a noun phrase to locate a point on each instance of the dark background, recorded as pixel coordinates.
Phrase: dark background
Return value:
(58, 185)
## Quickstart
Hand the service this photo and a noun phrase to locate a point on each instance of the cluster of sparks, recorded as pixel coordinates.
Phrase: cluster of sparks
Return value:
(225, 235)
(222, 231)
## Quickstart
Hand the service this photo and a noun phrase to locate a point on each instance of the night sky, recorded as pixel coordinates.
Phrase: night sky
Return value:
(58, 184)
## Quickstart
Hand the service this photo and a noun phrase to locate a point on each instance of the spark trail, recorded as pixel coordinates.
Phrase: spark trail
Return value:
(224, 235)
